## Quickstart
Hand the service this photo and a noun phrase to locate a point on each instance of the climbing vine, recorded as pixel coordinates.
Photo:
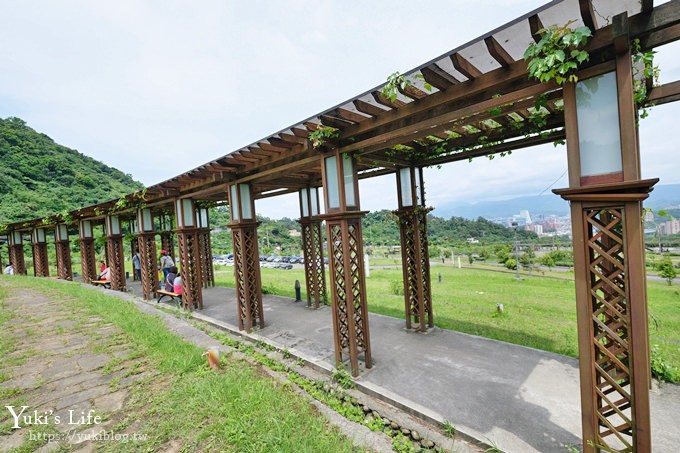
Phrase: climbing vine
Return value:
(644, 71)
(322, 135)
(558, 54)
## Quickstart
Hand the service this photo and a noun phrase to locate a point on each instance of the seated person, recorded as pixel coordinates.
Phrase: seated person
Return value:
(177, 285)
(105, 275)
(9, 270)
(170, 279)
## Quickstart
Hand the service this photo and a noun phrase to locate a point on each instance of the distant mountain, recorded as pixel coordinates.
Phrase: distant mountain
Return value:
(39, 177)
(663, 197)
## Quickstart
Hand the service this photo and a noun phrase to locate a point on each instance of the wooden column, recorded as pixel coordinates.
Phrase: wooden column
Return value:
(189, 254)
(315, 273)
(346, 263)
(40, 264)
(246, 257)
(606, 196)
(88, 260)
(148, 264)
(415, 260)
(63, 251)
(16, 252)
(247, 275)
(115, 253)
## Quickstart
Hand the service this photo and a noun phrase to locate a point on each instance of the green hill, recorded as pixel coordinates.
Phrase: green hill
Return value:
(39, 177)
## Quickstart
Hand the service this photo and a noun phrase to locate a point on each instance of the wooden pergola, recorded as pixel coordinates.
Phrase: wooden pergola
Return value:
(473, 101)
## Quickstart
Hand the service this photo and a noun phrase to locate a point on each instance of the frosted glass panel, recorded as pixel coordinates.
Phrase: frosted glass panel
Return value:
(188, 213)
(18, 239)
(234, 203)
(348, 175)
(246, 209)
(62, 233)
(314, 193)
(598, 125)
(405, 182)
(204, 218)
(85, 229)
(332, 183)
(146, 220)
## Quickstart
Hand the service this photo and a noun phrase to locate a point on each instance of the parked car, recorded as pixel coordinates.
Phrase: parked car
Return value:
(286, 266)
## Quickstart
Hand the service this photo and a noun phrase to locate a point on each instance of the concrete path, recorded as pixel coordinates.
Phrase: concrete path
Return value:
(518, 398)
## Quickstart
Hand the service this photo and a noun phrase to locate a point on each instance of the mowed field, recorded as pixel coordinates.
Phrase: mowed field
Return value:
(539, 311)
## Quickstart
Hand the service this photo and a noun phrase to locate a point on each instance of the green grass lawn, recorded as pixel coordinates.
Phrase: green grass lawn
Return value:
(539, 311)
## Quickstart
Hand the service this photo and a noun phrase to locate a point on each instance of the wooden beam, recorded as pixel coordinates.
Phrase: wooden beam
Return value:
(535, 25)
(302, 133)
(587, 13)
(413, 92)
(332, 121)
(437, 77)
(381, 99)
(498, 52)
(280, 143)
(463, 66)
(367, 108)
(668, 92)
(269, 147)
(349, 115)
(292, 138)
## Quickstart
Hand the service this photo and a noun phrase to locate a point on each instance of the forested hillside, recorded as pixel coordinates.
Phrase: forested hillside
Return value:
(39, 177)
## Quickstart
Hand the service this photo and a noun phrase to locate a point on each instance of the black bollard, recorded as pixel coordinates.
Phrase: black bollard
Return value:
(298, 297)
(440, 277)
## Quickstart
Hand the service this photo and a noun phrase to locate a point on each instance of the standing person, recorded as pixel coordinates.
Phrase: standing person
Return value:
(137, 265)
(166, 264)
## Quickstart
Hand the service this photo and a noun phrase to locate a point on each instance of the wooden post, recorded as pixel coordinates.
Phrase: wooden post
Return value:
(16, 252)
(115, 253)
(189, 253)
(606, 196)
(315, 274)
(148, 264)
(40, 264)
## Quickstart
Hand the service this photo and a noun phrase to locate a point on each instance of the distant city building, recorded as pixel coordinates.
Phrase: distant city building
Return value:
(538, 229)
(670, 227)
(525, 215)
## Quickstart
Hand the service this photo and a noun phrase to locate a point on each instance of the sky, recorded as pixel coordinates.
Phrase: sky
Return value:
(156, 88)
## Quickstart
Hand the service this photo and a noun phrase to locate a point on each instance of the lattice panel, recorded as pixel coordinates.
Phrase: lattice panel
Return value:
(88, 262)
(168, 243)
(40, 265)
(205, 248)
(247, 274)
(116, 257)
(416, 267)
(315, 277)
(16, 256)
(190, 269)
(63, 249)
(611, 327)
(350, 315)
(338, 282)
(147, 262)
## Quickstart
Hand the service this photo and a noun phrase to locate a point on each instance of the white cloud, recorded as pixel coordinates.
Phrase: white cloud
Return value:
(156, 88)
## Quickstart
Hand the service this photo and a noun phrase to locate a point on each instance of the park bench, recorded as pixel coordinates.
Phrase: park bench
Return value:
(105, 283)
(174, 297)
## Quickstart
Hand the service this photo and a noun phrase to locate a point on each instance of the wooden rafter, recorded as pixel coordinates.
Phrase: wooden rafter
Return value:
(498, 52)
(269, 147)
(463, 66)
(587, 13)
(535, 25)
(302, 133)
(383, 100)
(368, 109)
(412, 92)
(437, 77)
(280, 143)
(349, 115)
(333, 121)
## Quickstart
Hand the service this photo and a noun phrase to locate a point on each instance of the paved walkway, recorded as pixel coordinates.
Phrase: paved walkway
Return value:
(518, 398)
(68, 369)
